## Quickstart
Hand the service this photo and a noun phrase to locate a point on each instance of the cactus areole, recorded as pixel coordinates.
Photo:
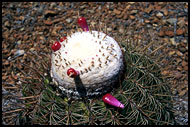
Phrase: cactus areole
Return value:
(87, 64)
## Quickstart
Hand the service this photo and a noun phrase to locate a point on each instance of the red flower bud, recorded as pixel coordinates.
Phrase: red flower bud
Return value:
(83, 24)
(72, 73)
(56, 46)
(62, 39)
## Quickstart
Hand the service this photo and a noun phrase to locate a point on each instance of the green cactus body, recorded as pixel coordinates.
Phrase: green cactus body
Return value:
(142, 90)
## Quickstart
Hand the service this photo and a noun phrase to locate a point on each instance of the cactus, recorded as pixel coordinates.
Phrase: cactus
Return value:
(141, 88)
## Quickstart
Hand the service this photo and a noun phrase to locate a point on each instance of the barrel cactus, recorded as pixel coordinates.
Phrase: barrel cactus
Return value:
(101, 67)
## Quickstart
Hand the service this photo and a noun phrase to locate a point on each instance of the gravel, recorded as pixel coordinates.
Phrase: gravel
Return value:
(29, 26)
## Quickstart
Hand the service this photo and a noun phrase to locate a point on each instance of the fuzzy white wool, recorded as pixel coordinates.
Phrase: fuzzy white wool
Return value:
(97, 58)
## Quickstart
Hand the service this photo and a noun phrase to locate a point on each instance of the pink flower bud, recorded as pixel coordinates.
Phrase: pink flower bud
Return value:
(109, 99)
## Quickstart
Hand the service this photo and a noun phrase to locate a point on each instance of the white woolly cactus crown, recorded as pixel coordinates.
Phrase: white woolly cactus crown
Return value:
(96, 58)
